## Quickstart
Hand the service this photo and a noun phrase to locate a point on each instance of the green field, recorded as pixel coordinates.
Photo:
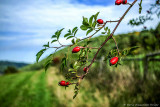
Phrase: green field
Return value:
(37, 89)
(120, 86)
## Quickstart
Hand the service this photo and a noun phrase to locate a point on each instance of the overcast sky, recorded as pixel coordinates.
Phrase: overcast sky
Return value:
(25, 25)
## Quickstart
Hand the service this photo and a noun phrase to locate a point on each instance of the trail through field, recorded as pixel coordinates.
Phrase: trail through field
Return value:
(37, 89)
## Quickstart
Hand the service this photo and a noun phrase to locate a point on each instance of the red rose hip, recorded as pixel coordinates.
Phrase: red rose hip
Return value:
(62, 83)
(85, 69)
(118, 2)
(100, 21)
(114, 60)
(67, 83)
(123, 1)
(76, 49)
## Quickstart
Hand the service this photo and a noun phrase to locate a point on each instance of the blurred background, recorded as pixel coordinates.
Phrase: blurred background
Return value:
(25, 25)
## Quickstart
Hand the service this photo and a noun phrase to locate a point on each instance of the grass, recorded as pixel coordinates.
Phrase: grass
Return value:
(113, 88)
(37, 89)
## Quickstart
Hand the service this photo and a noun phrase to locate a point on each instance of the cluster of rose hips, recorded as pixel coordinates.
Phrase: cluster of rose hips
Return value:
(118, 2)
(112, 61)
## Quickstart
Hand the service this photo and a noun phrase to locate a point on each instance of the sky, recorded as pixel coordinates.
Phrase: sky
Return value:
(26, 25)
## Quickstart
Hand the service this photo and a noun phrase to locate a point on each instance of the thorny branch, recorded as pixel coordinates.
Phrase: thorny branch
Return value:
(111, 35)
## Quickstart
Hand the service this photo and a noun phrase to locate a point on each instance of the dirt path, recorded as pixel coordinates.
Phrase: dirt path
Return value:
(66, 96)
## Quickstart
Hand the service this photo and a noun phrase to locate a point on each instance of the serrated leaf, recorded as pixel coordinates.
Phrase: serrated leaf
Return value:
(90, 20)
(56, 33)
(94, 24)
(74, 29)
(47, 45)
(59, 33)
(75, 32)
(53, 41)
(46, 65)
(54, 36)
(69, 31)
(64, 61)
(96, 15)
(103, 32)
(83, 27)
(85, 21)
(106, 29)
(89, 31)
(39, 54)
(67, 34)
(73, 41)
(70, 37)
(109, 31)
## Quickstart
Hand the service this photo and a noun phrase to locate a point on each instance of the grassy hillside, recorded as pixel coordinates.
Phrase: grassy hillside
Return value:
(122, 85)
(37, 89)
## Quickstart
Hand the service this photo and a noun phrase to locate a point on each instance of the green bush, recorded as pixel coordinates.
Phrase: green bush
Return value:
(11, 69)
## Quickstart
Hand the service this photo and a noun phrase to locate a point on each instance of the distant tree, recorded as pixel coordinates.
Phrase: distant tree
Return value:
(11, 69)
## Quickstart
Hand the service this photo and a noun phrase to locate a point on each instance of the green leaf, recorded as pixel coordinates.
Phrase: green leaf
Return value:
(109, 32)
(47, 45)
(90, 30)
(75, 32)
(69, 31)
(83, 27)
(67, 34)
(46, 65)
(53, 41)
(75, 64)
(64, 61)
(103, 32)
(70, 37)
(140, 7)
(90, 20)
(77, 67)
(73, 41)
(70, 70)
(39, 54)
(106, 29)
(56, 33)
(59, 33)
(74, 29)
(85, 21)
(94, 24)
(96, 15)
(54, 36)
